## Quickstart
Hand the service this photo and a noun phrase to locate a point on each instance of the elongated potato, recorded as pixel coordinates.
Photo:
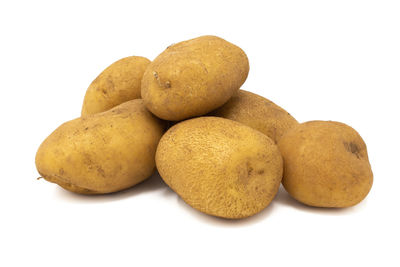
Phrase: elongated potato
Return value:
(104, 152)
(193, 77)
(257, 112)
(118, 83)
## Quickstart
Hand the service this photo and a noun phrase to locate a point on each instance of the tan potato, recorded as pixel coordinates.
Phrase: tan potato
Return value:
(326, 164)
(220, 167)
(193, 77)
(102, 153)
(258, 113)
(118, 83)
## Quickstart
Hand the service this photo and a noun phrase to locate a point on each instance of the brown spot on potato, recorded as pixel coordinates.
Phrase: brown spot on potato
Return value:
(87, 159)
(110, 84)
(101, 171)
(117, 111)
(249, 169)
(352, 148)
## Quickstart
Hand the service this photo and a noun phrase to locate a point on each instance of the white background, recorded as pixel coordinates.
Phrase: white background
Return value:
(328, 60)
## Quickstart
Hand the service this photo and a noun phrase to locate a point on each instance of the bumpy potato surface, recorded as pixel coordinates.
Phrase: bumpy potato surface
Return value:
(220, 167)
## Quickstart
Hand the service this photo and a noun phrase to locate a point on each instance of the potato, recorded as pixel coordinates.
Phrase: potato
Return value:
(193, 77)
(102, 153)
(258, 113)
(118, 83)
(326, 164)
(220, 167)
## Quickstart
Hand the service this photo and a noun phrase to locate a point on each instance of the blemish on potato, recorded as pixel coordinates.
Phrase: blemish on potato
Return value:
(249, 169)
(353, 148)
(101, 171)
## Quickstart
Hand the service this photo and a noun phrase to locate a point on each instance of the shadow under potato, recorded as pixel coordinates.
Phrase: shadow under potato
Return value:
(218, 221)
(156, 184)
(282, 198)
(285, 199)
(152, 184)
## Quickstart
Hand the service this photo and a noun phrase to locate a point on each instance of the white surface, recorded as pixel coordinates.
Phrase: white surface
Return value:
(329, 60)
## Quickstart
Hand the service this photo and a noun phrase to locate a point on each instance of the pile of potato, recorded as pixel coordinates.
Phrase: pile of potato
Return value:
(223, 150)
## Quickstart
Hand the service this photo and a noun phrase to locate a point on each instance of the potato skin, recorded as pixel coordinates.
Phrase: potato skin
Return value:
(102, 153)
(193, 77)
(220, 167)
(118, 83)
(258, 113)
(325, 164)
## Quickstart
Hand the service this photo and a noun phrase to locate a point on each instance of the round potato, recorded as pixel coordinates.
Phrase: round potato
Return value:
(258, 113)
(193, 77)
(118, 83)
(220, 167)
(102, 153)
(325, 164)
